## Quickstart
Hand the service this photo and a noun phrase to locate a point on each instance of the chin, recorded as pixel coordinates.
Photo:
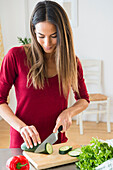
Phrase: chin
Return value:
(49, 51)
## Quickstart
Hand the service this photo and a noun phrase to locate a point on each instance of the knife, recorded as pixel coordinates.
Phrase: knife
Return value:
(50, 139)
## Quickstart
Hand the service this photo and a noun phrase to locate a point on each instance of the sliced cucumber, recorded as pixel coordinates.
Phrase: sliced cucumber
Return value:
(24, 147)
(75, 152)
(65, 149)
(48, 148)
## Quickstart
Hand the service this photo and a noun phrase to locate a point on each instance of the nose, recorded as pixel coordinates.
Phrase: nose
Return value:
(47, 41)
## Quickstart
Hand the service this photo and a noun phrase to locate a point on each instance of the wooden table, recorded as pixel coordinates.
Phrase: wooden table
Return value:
(5, 154)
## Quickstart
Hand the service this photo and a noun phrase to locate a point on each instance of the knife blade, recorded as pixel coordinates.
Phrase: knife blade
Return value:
(50, 139)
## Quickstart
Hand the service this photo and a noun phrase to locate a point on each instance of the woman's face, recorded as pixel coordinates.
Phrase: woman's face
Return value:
(46, 36)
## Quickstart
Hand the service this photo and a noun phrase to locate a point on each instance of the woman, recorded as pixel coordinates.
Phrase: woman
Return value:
(43, 73)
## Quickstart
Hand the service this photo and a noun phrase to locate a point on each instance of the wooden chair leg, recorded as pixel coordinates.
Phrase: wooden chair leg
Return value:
(81, 124)
(77, 121)
(108, 117)
(97, 121)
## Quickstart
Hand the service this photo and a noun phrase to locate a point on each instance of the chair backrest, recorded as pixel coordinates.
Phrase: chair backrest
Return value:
(92, 75)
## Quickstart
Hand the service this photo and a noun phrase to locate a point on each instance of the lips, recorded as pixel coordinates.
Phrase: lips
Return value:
(47, 48)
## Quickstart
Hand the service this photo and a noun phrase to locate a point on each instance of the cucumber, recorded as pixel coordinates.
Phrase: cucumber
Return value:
(75, 152)
(65, 149)
(48, 148)
(24, 147)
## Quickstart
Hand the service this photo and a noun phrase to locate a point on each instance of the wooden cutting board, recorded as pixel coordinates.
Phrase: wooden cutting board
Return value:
(43, 161)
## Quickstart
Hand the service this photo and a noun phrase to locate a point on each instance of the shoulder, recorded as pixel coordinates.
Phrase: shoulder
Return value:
(79, 68)
(79, 65)
(14, 52)
(14, 56)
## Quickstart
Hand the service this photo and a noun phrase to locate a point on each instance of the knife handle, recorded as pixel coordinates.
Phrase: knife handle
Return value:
(60, 128)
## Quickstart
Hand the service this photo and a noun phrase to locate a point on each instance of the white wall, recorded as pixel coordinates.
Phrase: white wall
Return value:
(93, 37)
(12, 18)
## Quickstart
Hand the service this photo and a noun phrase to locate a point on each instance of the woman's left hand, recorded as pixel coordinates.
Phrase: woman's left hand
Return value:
(63, 119)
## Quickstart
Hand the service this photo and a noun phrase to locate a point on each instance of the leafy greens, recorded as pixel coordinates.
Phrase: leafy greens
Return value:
(95, 154)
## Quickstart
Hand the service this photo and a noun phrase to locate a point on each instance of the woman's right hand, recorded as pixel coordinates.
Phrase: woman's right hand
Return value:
(29, 134)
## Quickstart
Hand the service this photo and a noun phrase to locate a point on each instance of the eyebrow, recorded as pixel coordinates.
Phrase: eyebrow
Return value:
(51, 34)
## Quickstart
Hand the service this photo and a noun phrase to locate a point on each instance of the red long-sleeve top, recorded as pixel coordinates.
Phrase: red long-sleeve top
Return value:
(38, 107)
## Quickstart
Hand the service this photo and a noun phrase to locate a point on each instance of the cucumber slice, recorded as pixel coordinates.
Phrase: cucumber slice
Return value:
(75, 152)
(65, 149)
(24, 147)
(48, 148)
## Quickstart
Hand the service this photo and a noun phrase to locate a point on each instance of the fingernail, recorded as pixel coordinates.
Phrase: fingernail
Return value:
(31, 146)
(39, 142)
(35, 144)
(28, 147)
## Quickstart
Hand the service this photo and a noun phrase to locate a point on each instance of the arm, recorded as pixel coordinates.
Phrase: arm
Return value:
(8, 74)
(65, 118)
(26, 131)
(78, 107)
(8, 115)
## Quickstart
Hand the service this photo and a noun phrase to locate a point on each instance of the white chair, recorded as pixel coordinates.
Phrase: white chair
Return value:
(99, 103)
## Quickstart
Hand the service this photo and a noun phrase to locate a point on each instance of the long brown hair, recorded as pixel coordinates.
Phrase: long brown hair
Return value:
(65, 58)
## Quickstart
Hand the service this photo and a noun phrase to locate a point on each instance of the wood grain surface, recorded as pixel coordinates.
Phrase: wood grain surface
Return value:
(43, 161)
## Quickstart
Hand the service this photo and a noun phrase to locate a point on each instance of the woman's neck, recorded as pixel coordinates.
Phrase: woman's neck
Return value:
(50, 65)
(50, 57)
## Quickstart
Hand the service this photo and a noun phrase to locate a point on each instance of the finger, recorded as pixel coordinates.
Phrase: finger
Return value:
(56, 127)
(64, 128)
(26, 142)
(36, 134)
(27, 134)
(68, 124)
(32, 135)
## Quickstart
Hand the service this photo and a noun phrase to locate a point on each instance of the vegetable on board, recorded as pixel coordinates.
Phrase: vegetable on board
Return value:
(24, 147)
(75, 152)
(64, 149)
(48, 148)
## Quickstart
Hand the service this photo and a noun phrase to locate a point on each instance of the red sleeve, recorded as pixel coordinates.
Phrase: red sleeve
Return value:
(81, 84)
(8, 75)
